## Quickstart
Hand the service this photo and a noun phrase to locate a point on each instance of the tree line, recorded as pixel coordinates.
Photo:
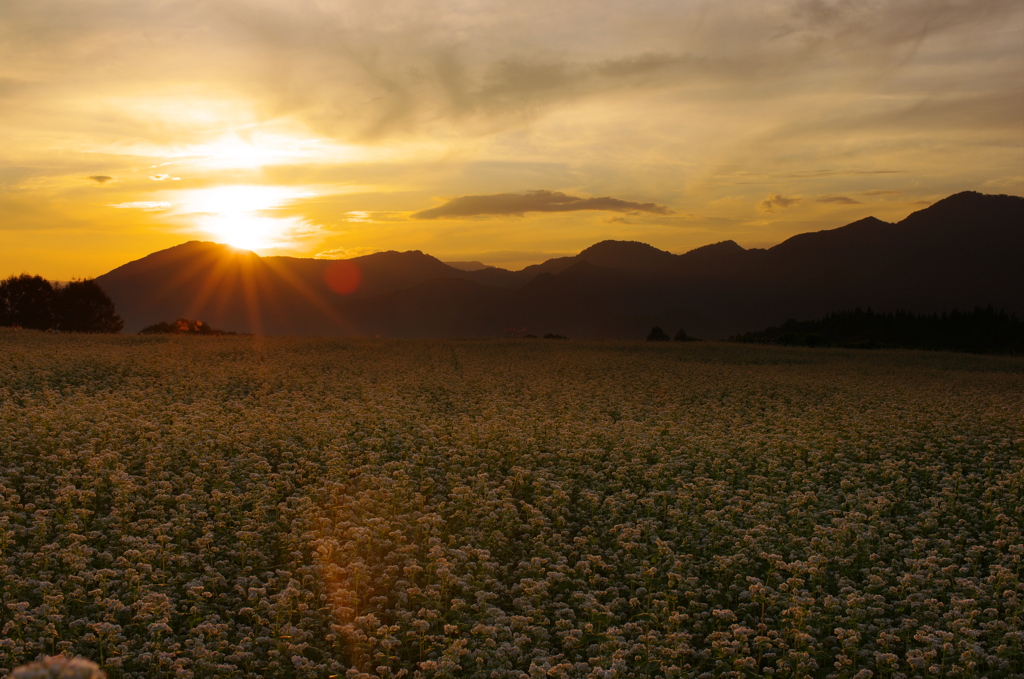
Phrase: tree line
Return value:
(983, 330)
(658, 335)
(34, 303)
(183, 326)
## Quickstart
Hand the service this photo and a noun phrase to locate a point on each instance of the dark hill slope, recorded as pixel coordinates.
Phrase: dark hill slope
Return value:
(963, 251)
(240, 291)
(627, 256)
(960, 252)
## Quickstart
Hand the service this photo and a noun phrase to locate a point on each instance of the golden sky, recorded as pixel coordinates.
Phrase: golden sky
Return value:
(504, 132)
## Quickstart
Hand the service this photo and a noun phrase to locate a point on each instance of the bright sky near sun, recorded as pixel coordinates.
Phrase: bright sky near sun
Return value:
(501, 131)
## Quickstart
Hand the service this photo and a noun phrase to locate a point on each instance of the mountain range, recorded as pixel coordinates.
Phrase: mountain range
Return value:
(963, 251)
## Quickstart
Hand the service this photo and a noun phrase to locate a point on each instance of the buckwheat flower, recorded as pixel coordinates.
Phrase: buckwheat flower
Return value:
(59, 667)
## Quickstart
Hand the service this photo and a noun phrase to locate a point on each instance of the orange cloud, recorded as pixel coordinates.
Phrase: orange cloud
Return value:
(533, 201)
(775, 200)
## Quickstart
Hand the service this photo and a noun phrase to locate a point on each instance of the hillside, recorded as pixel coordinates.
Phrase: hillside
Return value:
(963, 251)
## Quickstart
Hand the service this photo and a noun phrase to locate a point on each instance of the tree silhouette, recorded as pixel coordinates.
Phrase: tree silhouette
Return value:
(27, 302)
(82, 306)
(681, 336)
(657, 335)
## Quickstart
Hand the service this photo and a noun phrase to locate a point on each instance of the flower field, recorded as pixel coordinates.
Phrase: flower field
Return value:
(244, 507)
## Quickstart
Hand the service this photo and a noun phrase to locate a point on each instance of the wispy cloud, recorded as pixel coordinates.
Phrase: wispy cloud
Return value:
(838, 200)
(346, 253)
(145, 205)
(358, 217)
(101, 179)
(533, 201)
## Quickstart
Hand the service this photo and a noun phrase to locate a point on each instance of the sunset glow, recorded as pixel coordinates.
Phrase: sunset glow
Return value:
(241, 216)
(487, 131)
(236, 152)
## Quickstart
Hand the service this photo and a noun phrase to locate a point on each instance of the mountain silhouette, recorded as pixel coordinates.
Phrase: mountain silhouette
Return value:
(963, 251)
(627, 256)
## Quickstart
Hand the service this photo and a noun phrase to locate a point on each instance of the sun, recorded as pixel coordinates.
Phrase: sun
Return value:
(244, 231)
(242, 216)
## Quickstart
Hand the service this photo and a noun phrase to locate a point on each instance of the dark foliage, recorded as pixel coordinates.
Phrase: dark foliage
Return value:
(82, 306)
(982, 331)
(183, 326)
(681, 336)
(27, 302)
(657, 335)
(552, 335)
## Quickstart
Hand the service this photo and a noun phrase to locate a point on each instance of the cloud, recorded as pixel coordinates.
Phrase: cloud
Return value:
(890, 23)
(101, 179)
(839, 200)
(533, 201)
(1012, 184)
(145, 205)
(365, 71)
(515, 88)
(358, 216)
(486, 69)
(775, 200)
(164, 177)
(346, 253)
(879, 192)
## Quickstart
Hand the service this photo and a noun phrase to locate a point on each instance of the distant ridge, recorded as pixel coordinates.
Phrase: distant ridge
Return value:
(964, 251)
(467, 266)
(627, 256)
(724, 248)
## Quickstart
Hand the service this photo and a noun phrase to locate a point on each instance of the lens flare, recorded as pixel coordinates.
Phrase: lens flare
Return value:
(343, 277)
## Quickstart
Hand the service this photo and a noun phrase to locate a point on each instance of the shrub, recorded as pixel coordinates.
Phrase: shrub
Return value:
(183, 326)
(681, 336)
(657, 335)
